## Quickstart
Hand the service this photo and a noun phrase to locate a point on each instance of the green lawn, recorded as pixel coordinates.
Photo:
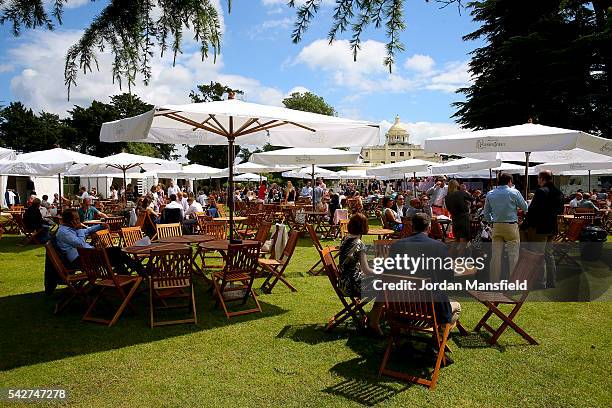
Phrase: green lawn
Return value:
(282, 356)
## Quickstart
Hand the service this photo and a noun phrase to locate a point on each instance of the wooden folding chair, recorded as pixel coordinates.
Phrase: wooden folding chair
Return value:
(170, 277)
(263, 231)
(352, 305)
(235, 281)
(251, 225)
(169, 230)
(114, 226)
(587, 214)
(319, 247)
(527, 269)
(275, 268)
(130, 235)
(221, 210)
(102, 239)
(412, 311)
(76, 282)
(97, 266)
(31, 236)
(343, 228)
(563, 244)
(217, 229)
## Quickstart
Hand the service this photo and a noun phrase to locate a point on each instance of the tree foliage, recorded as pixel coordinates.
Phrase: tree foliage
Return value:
(356, 16)
(132, 29)
(308, 102)
(548, 60)
(214, 156)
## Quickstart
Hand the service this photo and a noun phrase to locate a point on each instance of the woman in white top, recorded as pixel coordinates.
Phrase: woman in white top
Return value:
(391, 217)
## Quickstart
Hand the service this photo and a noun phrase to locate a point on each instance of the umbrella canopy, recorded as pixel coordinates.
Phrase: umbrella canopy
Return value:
(218, 123)
(7, 154)
(463, 165)
(354, 175)
(504, 167)
(398, 170)
(46, 162)
(191, 171)
(580, 166)
(249, 167)
(211, 123)
(556, 156)
(249, 177)
(310, 172)
(528, 137)
(306, 156)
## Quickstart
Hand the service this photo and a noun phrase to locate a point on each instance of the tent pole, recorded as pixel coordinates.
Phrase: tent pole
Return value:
(59, 185)
(527, 174)
(589, 181)
(313, 189)
(414, 184)
(124, 185)
(230, 180)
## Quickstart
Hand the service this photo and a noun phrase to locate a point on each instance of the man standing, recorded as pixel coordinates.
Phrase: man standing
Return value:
(306, 191)
(546, 204)
(437, 194)
(172, 189)
(318, 195)
(501, 207)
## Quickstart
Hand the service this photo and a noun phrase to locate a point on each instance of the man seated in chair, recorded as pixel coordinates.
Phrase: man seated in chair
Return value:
(175, 206)
(89, 213)
(71, 235)
(35, 223)
(420, 245)
(191, 217)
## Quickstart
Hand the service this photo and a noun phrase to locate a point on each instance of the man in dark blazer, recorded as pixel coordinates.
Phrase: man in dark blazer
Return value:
(400, 206)
(542, 213)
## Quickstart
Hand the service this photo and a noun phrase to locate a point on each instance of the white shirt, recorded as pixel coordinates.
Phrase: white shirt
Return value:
(113, 195)
(184, 203)
(203, 200)
(194, 208)
(173, 190)
(437, 195)
(574, 203)
(176, 204)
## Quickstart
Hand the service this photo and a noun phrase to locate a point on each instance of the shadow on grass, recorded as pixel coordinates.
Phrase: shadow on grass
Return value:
(31, 334)
(313, 334)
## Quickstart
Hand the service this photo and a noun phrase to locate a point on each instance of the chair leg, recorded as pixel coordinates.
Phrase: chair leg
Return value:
(126, 301)
(383, 364)
(441, 349)
(508, 321)
(151, 312)
(193, 305)
(483, 320)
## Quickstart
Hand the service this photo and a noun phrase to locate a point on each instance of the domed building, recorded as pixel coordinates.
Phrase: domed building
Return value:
(397, 148)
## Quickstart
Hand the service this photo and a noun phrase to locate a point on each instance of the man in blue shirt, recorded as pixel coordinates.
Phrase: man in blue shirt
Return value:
(501, 208)
(70, 236)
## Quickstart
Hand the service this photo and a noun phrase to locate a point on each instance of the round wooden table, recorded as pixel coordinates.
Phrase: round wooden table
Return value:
(221, 244)
(93, 222)
(381, 232)
(187, 239)
(236, 219)
(146, 250)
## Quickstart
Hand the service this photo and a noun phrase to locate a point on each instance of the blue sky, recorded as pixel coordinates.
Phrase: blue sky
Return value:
(259, 58)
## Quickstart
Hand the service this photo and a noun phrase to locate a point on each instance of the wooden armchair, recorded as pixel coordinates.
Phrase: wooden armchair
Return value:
(276, 268)
(76, 282)
(170, 277)
(130, 235)
(314, 270)
(168, 230)
(235, 282)
(31, 236)
(104, 280)
(102, 239)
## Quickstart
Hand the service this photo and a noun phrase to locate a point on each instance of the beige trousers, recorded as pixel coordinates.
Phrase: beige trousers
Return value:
(504, 235)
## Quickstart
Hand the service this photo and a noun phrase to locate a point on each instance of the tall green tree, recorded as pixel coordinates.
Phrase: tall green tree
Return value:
(214, 156)
(131, 29)
(546, 60)
(309, 102)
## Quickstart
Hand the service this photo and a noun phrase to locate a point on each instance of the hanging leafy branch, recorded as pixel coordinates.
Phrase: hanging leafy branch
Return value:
(130, 29)
(360, 14)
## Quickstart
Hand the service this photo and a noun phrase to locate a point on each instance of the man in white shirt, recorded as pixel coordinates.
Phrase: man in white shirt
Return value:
(575, 202)
(172, 189)
(437, 194)
(306, 190)
(182, 200)
(175, 204)
(194, 207)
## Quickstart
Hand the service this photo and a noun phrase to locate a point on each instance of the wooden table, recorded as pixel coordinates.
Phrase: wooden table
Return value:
(93, 222)
(236, 219)
(221, 245)
(316, 218)
(444, 224)
(143, 251)
(187, 239)
(381, 232)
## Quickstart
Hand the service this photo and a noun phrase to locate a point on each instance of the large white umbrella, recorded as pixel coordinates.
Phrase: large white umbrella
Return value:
(218, 123)
(307, 156)
(250, 177)
(7, 154)
(526, 138)
(465, 164)
(355, 175)
(399, 169)
(46, 163)
(576, 168)
(309, 172)
(191, 171)
(249, 167)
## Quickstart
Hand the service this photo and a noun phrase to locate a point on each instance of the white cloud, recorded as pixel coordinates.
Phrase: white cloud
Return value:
(39, 82)
(260, 30)
(299, 89)
(297, 2)
(420, 63)
(6, 68)
(369, 75)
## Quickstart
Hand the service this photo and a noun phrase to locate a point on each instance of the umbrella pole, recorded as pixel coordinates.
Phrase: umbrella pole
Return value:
(124, 186)
(313, 189)
(59, 185)
(414, 185)
(230, 181)
(491, 178)
(589, 181)
(527, 174)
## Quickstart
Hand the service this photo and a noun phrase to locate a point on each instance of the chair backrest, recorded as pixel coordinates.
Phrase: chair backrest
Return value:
(580, 210)
(383, 219)
(263, 231)
(171, 216)
(242, 258)
(170, 268)
(221, 210)
(115, 223)
(217, 229)
(313, 237)
(140, 219)
(56, 261)
(408, 308)
(102, 239)
(129, 235)
(406, 227)
(17, 208)
(589, 216)
(343, 228)
(95, 263)
(574, 229)
(18, 218)
(528, 267)
(289, 247)
(203, 217)
(169, 230)
(382, 246)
